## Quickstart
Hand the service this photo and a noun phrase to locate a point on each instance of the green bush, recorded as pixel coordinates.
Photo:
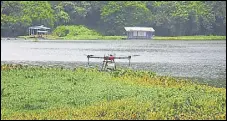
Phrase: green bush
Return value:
(73, 31)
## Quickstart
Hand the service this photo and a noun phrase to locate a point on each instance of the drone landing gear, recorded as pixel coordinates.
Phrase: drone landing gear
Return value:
(108, 64)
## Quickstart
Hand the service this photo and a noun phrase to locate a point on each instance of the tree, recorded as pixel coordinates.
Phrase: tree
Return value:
(61, 17)
(118, 14)
(183, 17)
(169, 18)
(19, 15)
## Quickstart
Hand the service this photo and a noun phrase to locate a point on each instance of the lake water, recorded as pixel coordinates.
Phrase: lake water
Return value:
(203, 60)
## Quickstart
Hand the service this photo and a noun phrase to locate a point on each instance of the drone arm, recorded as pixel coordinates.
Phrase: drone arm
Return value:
(129, 57)
(91, 56)
(95, 57)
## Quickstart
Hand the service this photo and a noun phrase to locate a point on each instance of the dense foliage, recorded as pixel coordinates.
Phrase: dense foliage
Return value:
(59, 93)
(63, 31)
(80, 33)
(168, 18)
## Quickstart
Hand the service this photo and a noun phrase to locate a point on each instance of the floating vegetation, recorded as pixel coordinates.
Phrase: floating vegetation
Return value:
(40, 92)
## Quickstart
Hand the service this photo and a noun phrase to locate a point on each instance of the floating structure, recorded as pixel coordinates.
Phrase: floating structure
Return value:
(38, 30)
(139, 32)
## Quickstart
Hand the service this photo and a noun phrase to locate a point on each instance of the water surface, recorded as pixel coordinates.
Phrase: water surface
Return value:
(203, 60)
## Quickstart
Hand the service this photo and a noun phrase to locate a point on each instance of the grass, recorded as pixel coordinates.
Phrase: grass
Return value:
(58, 93)
(35, 40)
(89, 37)
(200, 37)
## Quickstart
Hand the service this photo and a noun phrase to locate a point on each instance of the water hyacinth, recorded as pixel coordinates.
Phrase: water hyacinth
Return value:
(40, 92)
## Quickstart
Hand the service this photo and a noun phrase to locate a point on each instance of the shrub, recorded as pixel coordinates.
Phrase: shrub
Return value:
(71, 31)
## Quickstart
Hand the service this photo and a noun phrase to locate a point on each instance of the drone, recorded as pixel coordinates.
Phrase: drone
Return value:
(109, 60)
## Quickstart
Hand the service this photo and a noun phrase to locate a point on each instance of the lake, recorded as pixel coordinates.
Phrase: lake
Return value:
(199, 60)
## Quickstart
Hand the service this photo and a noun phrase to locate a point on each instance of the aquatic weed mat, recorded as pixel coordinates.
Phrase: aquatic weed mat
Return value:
(86, 93)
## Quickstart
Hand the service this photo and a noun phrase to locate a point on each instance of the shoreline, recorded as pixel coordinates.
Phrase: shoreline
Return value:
(123, 65)
(125, 38)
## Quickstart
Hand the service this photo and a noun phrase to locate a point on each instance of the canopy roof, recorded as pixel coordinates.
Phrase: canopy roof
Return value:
(139, 29)
(39, 27)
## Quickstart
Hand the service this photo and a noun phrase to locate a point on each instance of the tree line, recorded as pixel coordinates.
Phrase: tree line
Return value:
(168, 18)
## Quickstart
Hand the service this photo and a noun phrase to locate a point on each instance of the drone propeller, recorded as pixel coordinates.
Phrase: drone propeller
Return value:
(129, 55)
(88, 55)
(135, 55)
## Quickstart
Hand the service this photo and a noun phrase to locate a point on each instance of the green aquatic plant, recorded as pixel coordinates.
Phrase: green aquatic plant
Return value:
(41, 92)
(35, 40)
